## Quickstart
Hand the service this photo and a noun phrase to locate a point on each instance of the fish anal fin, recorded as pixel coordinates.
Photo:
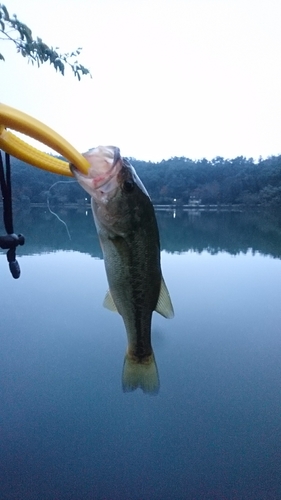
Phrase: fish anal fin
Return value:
(142, 374)
(108, 302)
(164, 304)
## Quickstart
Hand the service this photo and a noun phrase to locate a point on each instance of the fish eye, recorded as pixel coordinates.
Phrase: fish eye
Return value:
(128, 186)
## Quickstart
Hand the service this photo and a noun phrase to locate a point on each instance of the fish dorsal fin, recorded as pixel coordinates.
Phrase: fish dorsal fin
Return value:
(108, 302)
(164, 304)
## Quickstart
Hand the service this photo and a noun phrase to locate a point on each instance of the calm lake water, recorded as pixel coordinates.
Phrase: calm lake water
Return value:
(68, 432)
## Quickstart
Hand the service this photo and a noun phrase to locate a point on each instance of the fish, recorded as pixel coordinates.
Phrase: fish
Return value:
(129, 237)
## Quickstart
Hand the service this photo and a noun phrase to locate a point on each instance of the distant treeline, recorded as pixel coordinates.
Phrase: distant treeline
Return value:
(217, 181)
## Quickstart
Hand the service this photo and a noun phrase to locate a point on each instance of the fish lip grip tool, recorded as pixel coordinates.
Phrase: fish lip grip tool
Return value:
(17, 120)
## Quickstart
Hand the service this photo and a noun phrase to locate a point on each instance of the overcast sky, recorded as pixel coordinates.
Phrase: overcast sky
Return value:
(194, 78)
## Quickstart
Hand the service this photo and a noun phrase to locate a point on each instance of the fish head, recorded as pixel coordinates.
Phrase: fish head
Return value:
(111, 180)
(101, 181)
(116, 190)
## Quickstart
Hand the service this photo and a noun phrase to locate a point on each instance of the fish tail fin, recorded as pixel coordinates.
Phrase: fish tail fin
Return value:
(140, 373)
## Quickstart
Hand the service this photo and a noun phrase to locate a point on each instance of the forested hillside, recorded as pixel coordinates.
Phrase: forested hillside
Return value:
(217, 181)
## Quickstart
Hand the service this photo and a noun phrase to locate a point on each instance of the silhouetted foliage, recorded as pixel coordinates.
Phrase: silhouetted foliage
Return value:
(215, 182)
(35, 50)
(218, 181)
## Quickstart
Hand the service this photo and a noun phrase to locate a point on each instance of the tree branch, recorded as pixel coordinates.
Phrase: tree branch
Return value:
(36, 50)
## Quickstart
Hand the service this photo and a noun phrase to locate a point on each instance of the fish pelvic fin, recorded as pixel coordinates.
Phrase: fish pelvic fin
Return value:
(109, 303)
(164, 305)
(140, 373)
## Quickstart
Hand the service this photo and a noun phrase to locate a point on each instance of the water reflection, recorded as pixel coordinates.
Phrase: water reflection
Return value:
(215, 231)
(68, 431)
(202, 232)
(180, 231)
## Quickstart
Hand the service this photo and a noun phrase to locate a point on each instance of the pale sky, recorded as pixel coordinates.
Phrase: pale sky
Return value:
(194, 78)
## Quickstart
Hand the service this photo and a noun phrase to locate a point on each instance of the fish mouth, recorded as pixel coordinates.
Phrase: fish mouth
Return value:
(74, 170)
(98, 180)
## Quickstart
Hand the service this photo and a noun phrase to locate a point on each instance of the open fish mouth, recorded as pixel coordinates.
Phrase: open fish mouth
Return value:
(105, 162)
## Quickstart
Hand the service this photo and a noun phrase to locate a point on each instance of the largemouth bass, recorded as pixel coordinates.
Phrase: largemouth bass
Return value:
(129, 237)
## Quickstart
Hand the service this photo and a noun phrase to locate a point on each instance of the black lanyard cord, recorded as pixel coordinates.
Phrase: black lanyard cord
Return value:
(10, 241)
(7, 194)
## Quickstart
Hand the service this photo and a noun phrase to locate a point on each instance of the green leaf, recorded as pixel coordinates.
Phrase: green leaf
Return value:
(36, 51)
(6, 13)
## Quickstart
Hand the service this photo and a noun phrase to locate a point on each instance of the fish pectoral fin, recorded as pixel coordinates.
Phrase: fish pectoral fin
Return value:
(164, 304)
(109, 303)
